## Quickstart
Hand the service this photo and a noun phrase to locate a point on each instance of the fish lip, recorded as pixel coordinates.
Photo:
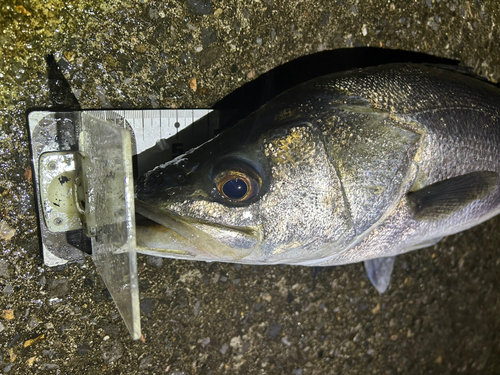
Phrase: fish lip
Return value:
(249, 230)
(205, 244)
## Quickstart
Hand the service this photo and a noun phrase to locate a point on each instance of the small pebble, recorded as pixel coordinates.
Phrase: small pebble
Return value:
(216, 278)
(285, 341)
(267, 297)
(224, 349)
(236, 342)
(196, 308)
(200, 7)
(49, 366)
(274, 330)
(59, 287)
(146, 362)
(6, 231)
(32, 323)
(8, 289)
(49, 353)
(4, 269)
(155, 261)
(111, 351)
(147, 305)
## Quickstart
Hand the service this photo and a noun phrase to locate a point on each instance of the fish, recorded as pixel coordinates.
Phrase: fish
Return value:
(356, 166)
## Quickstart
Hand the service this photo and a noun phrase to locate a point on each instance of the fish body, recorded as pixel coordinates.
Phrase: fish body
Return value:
(354, 166)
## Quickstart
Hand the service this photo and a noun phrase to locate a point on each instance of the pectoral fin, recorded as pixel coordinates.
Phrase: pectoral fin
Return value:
(379, 272)
(439, 200)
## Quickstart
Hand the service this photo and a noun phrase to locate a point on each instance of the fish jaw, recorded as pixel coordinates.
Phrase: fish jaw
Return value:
(170, 235)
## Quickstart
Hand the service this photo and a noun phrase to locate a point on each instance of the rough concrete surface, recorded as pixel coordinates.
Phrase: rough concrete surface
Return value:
(441, 312)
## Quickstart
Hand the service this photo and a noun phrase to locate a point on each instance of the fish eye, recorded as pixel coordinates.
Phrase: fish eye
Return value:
(236, 186)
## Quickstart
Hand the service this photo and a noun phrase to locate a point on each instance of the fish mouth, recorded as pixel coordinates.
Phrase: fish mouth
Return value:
(171, 235)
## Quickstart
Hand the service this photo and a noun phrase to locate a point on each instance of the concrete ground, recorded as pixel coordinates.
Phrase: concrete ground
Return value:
(441, 312)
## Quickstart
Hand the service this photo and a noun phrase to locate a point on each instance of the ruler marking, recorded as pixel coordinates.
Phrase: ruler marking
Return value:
(157, 124)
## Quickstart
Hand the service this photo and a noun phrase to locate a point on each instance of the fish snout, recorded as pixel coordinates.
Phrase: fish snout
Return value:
(159, 182)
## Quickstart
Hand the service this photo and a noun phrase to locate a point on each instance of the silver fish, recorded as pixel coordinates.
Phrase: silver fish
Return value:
(354, 166)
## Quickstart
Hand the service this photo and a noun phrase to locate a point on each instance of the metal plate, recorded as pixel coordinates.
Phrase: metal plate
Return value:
(53, 132)
(58, 192)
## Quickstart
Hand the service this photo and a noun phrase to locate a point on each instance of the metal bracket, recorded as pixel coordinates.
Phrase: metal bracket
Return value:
(58, 192)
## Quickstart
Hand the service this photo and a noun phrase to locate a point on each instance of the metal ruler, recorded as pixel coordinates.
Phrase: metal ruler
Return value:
(151, 125)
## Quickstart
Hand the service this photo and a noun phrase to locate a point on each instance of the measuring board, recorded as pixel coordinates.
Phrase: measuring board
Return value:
(157, 137)
(82, 164)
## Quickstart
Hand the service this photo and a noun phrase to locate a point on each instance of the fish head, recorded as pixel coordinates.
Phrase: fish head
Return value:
(261, 192)
(208, 197)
